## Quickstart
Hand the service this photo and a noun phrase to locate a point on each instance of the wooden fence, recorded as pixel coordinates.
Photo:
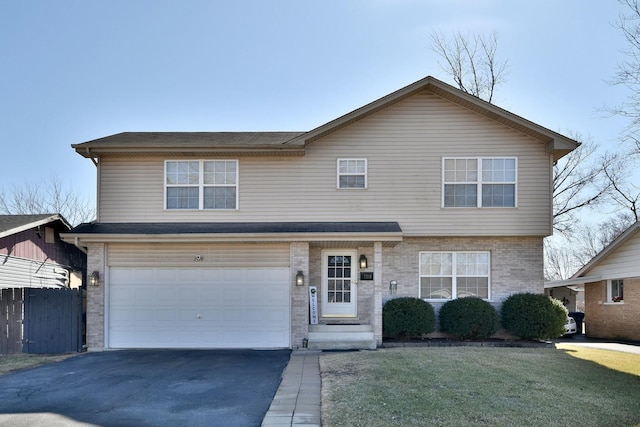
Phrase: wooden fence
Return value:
(41, 320)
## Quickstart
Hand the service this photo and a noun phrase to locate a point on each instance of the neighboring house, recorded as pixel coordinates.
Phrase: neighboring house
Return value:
(611, 283)
(33, 256)
(213, 239)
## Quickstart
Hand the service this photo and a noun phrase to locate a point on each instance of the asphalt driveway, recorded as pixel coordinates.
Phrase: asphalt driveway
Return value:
(145, 388)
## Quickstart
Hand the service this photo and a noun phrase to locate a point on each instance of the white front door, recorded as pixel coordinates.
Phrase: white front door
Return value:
(339, 288)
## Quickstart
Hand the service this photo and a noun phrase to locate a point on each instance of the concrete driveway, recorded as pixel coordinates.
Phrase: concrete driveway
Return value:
(145, 388)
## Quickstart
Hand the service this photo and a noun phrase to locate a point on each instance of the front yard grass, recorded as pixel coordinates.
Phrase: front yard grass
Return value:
(473, 386)
(15, 362)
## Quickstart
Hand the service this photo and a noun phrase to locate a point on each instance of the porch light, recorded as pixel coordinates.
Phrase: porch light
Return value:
(363, 261)
(94, 279)
(299, 278)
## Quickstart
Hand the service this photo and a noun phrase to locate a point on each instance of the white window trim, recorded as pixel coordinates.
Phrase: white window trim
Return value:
(610, 293)
(453, 274)
(201, 185)
(366, 174)
(480, 182)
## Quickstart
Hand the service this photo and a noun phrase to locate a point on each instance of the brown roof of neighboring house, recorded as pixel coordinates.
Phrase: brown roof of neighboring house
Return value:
(12, 224)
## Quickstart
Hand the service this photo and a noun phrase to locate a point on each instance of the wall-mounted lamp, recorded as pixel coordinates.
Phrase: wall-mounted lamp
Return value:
(94, 279)
(299, 278)
(393, 287)
(363, 261)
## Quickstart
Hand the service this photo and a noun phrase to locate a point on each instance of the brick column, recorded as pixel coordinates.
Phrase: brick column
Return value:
(95, 298)
(377, 292)
(299, 261)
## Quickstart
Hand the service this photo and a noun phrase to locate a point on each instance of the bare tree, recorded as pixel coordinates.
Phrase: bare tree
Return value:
(471, 61)
(560, 260)
(624, 194)
(628, 71)
(53, 197)
(577, 183)
(591, 240)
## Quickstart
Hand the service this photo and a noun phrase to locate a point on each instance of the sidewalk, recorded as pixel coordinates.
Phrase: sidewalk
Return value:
(625, 347)
(297, 401)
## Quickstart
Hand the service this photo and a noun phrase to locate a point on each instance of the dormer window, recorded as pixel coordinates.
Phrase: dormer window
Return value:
(201, 184)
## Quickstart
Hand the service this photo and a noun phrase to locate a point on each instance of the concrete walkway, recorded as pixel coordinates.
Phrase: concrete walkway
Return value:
(606, 345)
(297, 401)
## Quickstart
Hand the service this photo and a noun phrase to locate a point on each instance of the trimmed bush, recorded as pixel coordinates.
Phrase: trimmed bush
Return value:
(533, 316)
(469, 318)
(562, 314)
(407, 317)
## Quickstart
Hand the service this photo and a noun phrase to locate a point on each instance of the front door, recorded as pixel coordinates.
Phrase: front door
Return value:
(339, 288)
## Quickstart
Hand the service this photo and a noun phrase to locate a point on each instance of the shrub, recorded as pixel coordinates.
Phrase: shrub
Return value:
(562, 314)
(469, 318)
(533, 316)
(407, 317)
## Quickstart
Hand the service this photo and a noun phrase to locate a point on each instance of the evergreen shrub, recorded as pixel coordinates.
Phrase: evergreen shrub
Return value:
(407, 317)
(533, 316)
(469, 318)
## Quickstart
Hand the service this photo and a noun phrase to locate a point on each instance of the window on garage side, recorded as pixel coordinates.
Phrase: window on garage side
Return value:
(615, 290)
(449, 275)
(352, 173)
(201, 184)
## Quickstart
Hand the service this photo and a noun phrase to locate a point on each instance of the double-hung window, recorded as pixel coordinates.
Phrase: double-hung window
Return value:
(479, 182)
(352, 173)
(201, 184)
(615, 290)
(450, 275)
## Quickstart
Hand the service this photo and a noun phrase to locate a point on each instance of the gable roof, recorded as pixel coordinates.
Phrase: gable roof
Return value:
(628, 234)
(12, 224)
(293, 143)
(557, 144)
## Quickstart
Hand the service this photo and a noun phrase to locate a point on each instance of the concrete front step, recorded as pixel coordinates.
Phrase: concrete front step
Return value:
(341, 337)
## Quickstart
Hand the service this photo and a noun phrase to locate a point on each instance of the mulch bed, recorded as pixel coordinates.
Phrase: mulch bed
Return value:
(445, 342)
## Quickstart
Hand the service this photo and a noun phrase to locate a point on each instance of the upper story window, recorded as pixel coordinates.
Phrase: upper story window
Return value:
(479, 182)
(201, 184)
(449, 275)
(352, 173)
(615, 290)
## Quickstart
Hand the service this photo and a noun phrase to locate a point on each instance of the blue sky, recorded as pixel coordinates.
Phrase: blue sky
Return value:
(73, 71)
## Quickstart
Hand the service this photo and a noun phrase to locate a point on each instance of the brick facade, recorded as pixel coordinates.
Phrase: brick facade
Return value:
(516, 266)
(604, 319)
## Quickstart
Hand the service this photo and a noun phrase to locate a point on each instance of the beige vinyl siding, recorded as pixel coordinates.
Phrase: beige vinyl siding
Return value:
(183, 255)
(404, 146)
(620, 264)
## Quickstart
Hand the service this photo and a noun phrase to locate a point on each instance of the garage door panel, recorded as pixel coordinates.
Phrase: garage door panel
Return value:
(199, 308)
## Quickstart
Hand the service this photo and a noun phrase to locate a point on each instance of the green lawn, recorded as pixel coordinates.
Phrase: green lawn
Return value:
(480, 386)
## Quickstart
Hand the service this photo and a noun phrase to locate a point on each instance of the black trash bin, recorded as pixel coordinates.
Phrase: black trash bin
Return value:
(578, 316)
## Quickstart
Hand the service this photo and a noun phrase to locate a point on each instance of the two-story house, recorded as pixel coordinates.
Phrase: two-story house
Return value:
(215, 239)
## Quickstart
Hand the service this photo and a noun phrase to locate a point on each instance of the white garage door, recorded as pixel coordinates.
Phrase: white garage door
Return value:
(198, 307)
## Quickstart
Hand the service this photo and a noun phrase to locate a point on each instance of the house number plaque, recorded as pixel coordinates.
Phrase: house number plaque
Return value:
(367, 275)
